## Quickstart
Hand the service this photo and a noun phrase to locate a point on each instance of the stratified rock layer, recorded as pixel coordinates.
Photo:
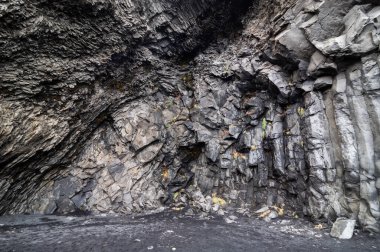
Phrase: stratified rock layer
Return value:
(126, 106)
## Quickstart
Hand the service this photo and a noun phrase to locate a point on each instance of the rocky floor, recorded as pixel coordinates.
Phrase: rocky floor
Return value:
(168, 231)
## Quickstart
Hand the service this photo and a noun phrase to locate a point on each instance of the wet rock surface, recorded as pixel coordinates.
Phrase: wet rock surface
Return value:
(129, 106)
(169, 232)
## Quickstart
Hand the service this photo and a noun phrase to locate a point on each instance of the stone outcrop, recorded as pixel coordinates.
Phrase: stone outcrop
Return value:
(127, 106)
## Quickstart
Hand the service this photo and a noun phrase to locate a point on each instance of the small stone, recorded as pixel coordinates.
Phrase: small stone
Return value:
(229, 221)
(234, 194)
(150, 247)
(220, 212)
(215, 207)
(189, 212)
(343, 228)
(270, 216)
(306, 86)
(174, 249)
(273, 215)
(262, 210)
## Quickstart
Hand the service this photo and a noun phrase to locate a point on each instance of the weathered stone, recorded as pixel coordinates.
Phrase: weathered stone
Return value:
(247, 70)
(270, 216)
(145, 136)
(66, 187)
(79, 200)
(179, 101)
(212, 149)
(371, 71)
(323, 83)
(320, 65)
(343, 228)
(64, 206)
(307, 86)
(295, 41)
(357, 37)
(149, 153)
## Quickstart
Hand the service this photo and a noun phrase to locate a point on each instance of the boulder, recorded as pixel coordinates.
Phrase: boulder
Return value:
(343, 228)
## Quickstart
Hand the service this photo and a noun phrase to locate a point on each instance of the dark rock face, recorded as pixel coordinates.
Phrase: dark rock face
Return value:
(126, 106)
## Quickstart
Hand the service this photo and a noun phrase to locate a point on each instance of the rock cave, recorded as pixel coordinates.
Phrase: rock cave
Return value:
(202, 106)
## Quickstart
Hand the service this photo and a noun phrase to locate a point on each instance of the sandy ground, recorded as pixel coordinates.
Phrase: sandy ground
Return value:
(169, 231)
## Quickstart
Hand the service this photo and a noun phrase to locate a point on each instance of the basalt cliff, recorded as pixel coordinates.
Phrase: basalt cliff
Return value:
(125, 106)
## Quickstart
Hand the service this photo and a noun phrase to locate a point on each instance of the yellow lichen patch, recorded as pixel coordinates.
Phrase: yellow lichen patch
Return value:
(264, 124)
(237, 155)
(287, 132)
(217, 200)
(253, 148)
(165, 173)
(175, 196)
(279, 210)
(177, 208)
(301, 111)
(319, 226)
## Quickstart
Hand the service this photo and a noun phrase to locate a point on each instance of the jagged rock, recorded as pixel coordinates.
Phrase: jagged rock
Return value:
(126, 106)
(360, 34)
(343, 229)
(295, 41)
(246, 69)
(323, 82)
(307, 86)
(320, 65)
(212, 149)
(66, 187)
(371, 71)
(145, 135)
(79, 200)
(234, 131)
(149, 153)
